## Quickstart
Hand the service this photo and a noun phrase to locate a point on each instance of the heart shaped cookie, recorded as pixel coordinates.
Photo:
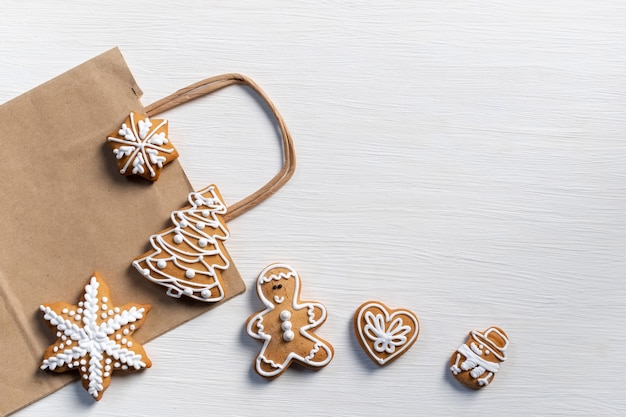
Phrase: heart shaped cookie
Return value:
(383, 333)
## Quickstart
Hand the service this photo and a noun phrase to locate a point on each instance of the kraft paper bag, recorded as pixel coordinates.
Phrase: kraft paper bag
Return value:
(66, 212)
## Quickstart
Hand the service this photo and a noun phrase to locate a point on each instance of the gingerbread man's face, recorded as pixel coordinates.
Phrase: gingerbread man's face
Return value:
(279, 292)
(286, 324)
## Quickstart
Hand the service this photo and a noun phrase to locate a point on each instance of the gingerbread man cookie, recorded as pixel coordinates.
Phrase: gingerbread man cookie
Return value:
(94, 337)
(475, 362)
(286, 324)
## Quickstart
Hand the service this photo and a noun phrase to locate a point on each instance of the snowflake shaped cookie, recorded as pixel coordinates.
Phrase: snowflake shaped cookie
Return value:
(95, 337)
(141, 146)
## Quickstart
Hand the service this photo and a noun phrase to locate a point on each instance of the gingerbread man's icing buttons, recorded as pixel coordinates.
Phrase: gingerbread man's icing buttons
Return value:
(141, 146)
(285, 325)
(383, 333)
(476, 362)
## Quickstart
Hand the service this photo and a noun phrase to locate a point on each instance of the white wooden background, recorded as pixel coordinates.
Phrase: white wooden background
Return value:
(465, 159)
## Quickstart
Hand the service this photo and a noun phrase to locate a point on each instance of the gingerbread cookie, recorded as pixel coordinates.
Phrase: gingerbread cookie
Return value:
(383, 333)
(188, 258)
(94, 337)
(286, 324)
(141, 146)
(476, 362)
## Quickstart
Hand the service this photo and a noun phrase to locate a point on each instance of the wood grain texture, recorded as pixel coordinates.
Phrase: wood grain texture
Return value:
(463, 159)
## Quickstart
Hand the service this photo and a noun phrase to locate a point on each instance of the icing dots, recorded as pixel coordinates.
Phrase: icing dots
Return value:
(141, 146)
(92, 342)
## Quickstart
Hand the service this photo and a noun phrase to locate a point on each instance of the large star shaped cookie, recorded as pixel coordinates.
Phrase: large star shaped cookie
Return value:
(95, 337)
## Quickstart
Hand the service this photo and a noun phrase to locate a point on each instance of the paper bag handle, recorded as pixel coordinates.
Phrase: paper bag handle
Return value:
(212, 84)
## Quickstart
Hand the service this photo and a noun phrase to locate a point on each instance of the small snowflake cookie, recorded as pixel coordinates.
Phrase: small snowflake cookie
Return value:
(141, 146)
(95, 337)
(286, 324)
(385, 334)
(476, 362)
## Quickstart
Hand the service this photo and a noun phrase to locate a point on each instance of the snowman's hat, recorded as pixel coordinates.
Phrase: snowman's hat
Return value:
(495, 339)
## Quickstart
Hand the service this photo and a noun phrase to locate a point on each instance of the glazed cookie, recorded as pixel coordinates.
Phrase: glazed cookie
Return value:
(141, 146)
(188, 258)
(385, 334)
(95, 337)
(476, 362)
(286, 324)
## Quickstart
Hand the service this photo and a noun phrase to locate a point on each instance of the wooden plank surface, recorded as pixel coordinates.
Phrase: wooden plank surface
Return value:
(463, 159)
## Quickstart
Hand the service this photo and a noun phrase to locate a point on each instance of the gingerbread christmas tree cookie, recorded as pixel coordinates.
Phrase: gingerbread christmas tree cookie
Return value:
(141, 146)
(95, 337)
(189, 258)
(476, 362)
(286, 324)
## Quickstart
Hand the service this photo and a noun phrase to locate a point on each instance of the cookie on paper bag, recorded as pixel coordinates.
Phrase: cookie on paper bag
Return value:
(141, 146)
(95, 337)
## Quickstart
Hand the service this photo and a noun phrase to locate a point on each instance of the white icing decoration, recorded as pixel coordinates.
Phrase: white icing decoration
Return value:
(385, 338)
(203, 263)
(387, 332)
(142, 146)
(93, 340)
(256, 329)
(285, 315)
(471, 357)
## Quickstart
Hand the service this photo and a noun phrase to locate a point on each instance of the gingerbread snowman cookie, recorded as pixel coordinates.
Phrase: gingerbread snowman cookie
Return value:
(285, 325)
(475, 362)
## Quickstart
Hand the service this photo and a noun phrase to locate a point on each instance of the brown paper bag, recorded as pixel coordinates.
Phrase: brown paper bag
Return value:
(66, 212)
